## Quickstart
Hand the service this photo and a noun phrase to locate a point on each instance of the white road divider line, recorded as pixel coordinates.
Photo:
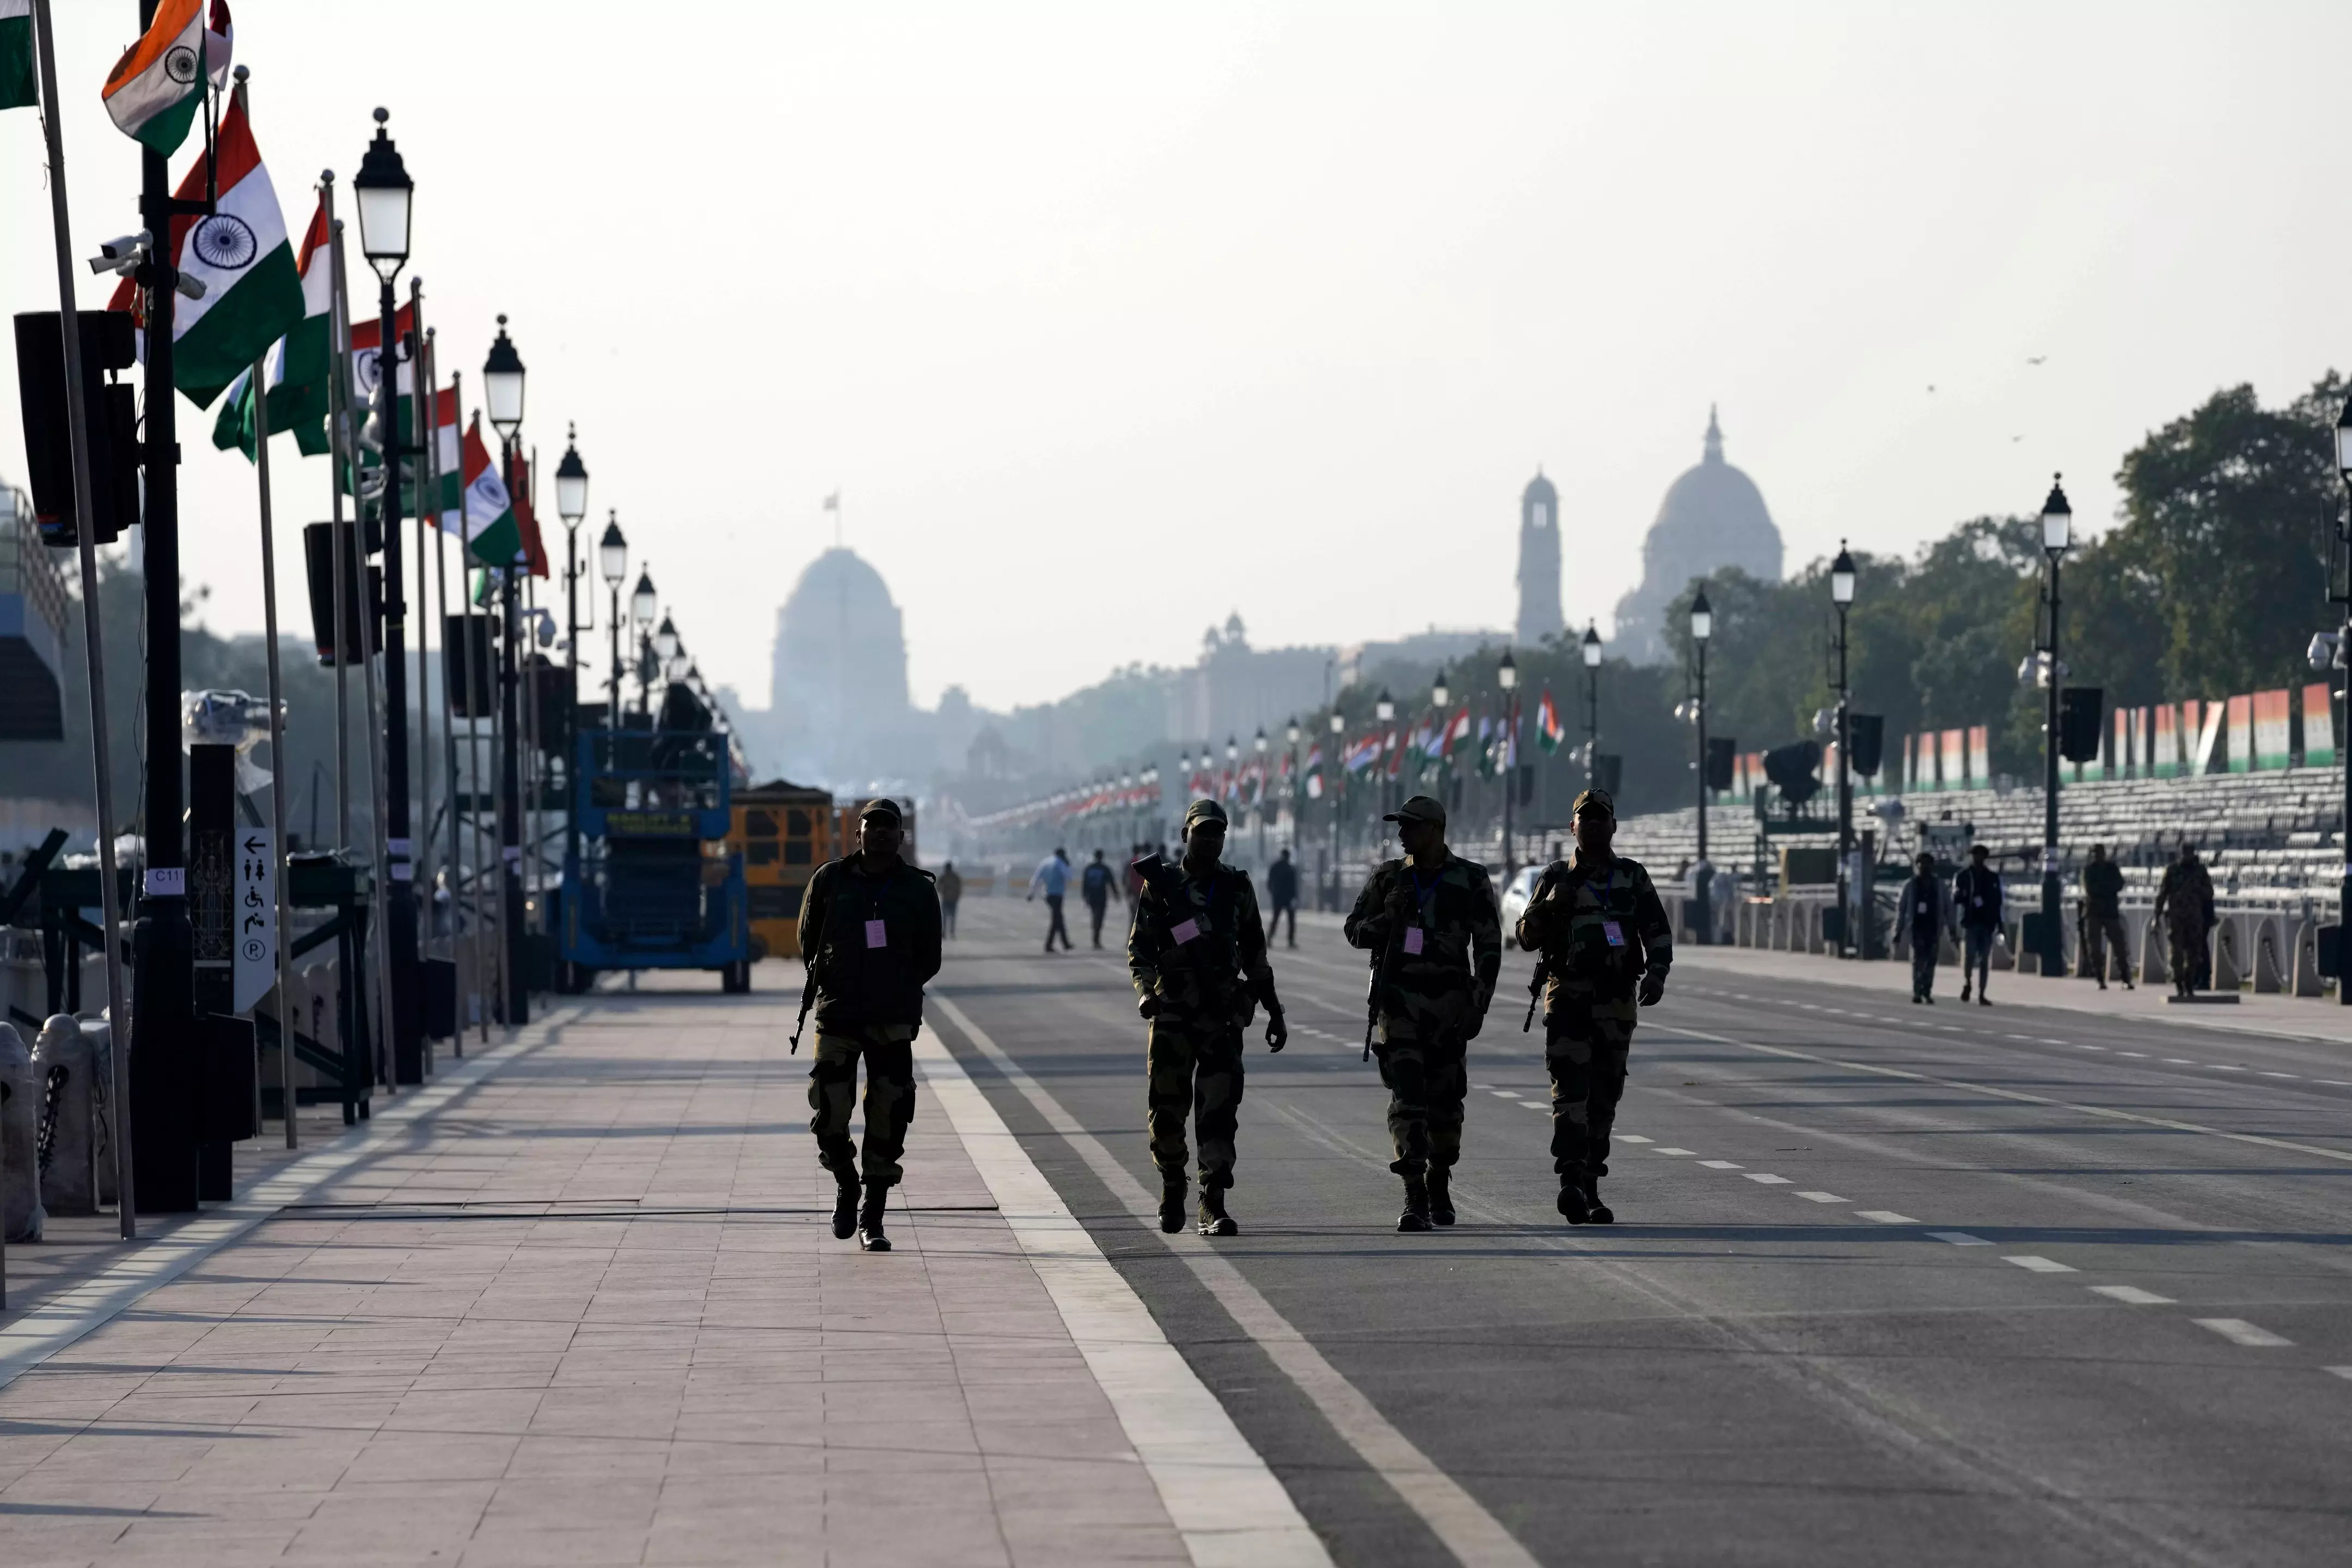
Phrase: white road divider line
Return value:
(1959, 1238)
(1674, 1151)
(1223, 1499)
(2225, 1067)
(1504, 1093)
(1884, 1217)
(1722, 1165)
(1630, 1138)
(2280, 1075)
(1820, 1197)
(2343, 1372)
(2141, 1055)
(2131, 1296)
(2178, 1062)
(1460, 1522)
(2239, 1331)
(1767, 1178)
(2034, 1265)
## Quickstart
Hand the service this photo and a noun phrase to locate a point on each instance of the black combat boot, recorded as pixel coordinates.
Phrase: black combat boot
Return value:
(1171, 1204)
(1214, 1220)
(1596, 1211)
(844, 1206)
(1416, 1204)
(869, 1219)
(1441, 1199)
(1573, 1203)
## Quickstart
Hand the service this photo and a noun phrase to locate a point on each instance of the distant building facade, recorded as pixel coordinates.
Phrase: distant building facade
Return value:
(1713, 517)
(1539, 611)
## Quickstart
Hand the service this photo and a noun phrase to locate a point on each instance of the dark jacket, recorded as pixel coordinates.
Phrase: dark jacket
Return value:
(1198, 945)
(870, 976)
(2103, 889)
(1282, 883)
(1927, 905)
(1569, 919)
(1976, 892)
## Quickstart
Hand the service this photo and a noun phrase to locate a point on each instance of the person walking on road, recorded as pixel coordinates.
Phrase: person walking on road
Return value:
(1051, 878)
(1976, 893)
(1432, 924)
(950, 885)
(869, 929)
(2103, 917)
(1927, 914)
(1281, 892)
(1097, 885)
(1606, 946)
(1196, 954)
(2184, 902)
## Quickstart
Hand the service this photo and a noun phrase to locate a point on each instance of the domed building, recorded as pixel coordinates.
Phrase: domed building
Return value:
(839, 692)
(1713, 517)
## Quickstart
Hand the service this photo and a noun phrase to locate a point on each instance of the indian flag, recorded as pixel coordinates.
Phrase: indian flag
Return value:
(300, 367)
(449, 463)
(17, 90)
(488, 517)
(1550, 730)
(220, 41)
(156, 88)
(367, 355)
(253, 294)
(1457, 731)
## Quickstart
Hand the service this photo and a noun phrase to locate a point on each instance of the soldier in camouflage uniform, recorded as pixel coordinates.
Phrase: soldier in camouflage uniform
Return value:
(1196, 951)
(871, 931)
(1433, 920)
(2184, 902)
(1604, 937)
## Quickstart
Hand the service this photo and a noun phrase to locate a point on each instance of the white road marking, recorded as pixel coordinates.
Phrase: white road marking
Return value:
(2141, 1055)
(2343, 1372)
(2280, 1075)
(2027, 1038)
(2225, 1067)
(1824, 1198)
(2094, 1047)
(1768, 1179)
(2178, 1062)
(1886, 1216)
(2239, 1331)
(1543, 1105)
(2046, 1040)
(2131, 1296)
(1722, 1165)
(1674, 1151)
(2333, 1082)
(1504, 1093)
(1629, 1138)
(1452, 1515)
(2031, 1264)
(1959, 1238)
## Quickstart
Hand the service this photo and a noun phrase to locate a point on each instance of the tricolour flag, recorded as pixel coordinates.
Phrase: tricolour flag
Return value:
(1315, 771)
(1457, 731)
(253, 292)
(155, 89)
(491, 533)
(17, 86)
(367, 345)
(220, 40)
(1550, 730)
(302, 363)
(449, 463)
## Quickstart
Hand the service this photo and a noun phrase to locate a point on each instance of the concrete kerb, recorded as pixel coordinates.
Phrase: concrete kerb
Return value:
(165, 1254)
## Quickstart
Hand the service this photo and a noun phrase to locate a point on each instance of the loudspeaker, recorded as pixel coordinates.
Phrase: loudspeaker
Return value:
(2080, 708)
(1720, 752)
(1608, 772)
(1869, 732)
(318, 564)
(467, 661)
(111, 417)
(1793, 770)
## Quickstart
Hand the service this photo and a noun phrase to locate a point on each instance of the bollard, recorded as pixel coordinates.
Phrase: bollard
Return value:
(2307, 960)
(20, 1172)
(65, 1063)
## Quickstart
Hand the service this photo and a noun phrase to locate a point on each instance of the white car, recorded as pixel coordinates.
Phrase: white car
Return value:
(1515, 894)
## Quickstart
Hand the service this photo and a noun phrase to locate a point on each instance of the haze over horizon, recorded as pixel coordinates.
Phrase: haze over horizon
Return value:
(1106, 326)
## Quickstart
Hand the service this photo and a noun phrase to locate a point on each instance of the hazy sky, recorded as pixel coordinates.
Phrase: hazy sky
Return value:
(1108, 319)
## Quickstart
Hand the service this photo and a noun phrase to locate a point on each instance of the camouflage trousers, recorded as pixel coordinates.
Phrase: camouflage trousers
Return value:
(1428, 1077)
(1194, 1067)
(890, 1100)
(1585, 1049)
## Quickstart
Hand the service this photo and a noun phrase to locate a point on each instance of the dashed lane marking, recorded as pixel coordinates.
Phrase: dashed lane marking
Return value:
(2131, 1296)
(2225, 1067)
(1504, 1093)
(1959, 1238)
(1886, 1216)
(2239, 1331)
(2178, 1062)
(2280, 1075)
(2141, 1055)
(1630, 1138)
(1674, 1151)
(2343, 1372)
(1824, 1198)
(1723, 1164)
(1767, 1178)
(2033, 1265)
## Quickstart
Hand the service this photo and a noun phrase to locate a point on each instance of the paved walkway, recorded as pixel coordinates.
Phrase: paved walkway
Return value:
(588, 1309)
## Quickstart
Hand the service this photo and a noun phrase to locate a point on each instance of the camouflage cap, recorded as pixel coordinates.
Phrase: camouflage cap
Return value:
(881, 808)
(1420, 808)
(1596, 797)
(1203, 811)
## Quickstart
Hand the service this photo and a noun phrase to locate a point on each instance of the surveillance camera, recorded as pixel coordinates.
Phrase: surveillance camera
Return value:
(2325, 649)
(194, 288)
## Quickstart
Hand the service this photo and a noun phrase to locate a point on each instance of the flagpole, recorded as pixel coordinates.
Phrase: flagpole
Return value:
(276, 740)
(338, 358)
(456, 855)
(93, 644)
(420, 397)
(473, 751)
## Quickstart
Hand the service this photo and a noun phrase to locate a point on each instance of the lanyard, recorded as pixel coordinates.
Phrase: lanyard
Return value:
(1425, 898)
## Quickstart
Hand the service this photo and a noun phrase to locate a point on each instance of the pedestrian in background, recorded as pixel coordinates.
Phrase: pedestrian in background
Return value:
(1282, 893)
(1928, 913)
(950, 894)
(1051, 878)
(2102, 916)
(2184, 903)
(1976, 892)
(1095, 885)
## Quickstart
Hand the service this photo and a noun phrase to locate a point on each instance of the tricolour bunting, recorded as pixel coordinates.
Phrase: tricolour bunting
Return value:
(1550, 730)
(155, 89)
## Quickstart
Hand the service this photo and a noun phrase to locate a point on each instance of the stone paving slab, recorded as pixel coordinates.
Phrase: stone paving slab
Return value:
(592, 1311)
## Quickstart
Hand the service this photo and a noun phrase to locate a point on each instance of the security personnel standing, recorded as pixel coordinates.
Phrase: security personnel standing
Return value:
(1196, 951)
(1433, 920)
(870, 930)
(1605, 939)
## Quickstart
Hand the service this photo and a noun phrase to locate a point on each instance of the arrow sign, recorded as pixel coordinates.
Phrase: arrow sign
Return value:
(254, 961)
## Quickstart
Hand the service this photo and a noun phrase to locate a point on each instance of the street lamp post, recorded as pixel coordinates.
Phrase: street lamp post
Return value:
(613, 562)
(1702, 630)
(2057, 533)
(1258, 745)
(643, 603)
(1850, 902)
(1384, 712)
(2343, 660)
(1338, 784)
(1438, 694)
(1290, 734)
(385, 195)
(1590, 648)
(571, 505)
(502, 389)
(1506, 676)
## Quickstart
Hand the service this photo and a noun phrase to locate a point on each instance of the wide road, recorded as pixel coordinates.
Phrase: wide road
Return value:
(1888, 1284)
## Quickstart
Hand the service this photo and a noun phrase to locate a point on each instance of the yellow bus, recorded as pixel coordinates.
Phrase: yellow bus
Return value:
(785, 832)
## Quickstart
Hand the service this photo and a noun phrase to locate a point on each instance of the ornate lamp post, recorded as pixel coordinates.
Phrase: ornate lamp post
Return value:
(2057, 534)
(1506, 676)
(385, 196)
(1290, 735)
(1258, 745)
(571, 505)
(1339, 784)
(502, 391)
(613, 565)
(2342, 654)
(1850, 901)
(1590, 648)
(643, 603)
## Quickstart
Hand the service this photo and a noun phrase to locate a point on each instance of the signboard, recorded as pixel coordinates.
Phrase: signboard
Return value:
(649, 823)
(2318, 726)
(253, 942)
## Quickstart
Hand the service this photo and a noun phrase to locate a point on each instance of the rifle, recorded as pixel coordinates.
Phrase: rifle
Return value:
(808, 1000)
(1534, 994)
